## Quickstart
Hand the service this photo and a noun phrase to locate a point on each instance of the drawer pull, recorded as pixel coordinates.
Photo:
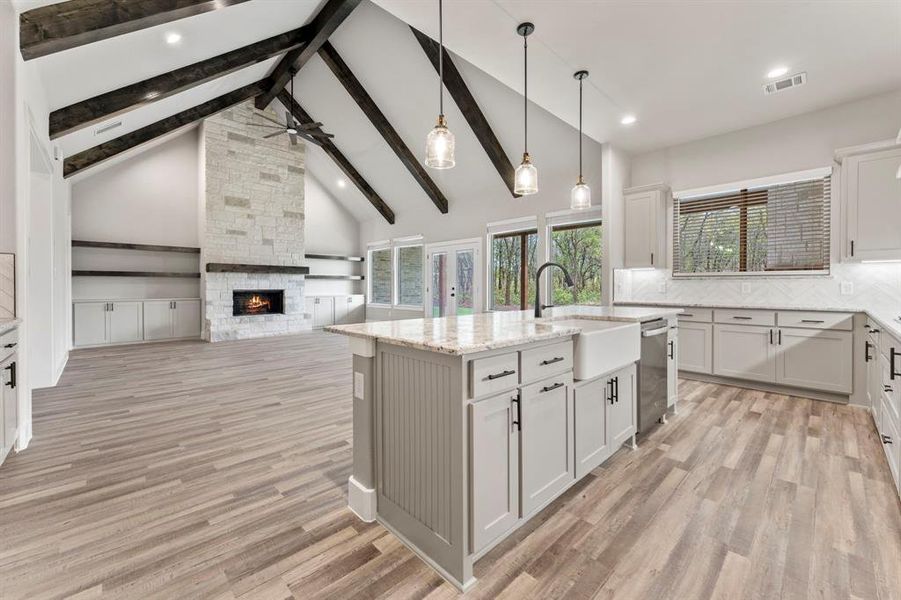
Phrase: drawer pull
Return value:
(550, 388)
(686, 315)
(886, 439)
(551, 361)
(10, 345)
(887, 388)
(12, 375)
(743, 318)
(501, 374)
(812, 321)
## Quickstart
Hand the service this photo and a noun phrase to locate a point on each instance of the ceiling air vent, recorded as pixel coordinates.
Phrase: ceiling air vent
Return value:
(104, 128)
(784, 84)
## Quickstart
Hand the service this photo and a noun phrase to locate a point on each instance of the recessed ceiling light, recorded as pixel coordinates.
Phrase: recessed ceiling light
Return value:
(777, 72)
(628, 119)
(342, 183)
(173, 37)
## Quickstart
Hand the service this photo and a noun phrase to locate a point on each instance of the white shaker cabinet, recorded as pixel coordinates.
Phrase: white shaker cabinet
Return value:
(185, 318)
(125, 321)
(89, 323)
(120, 322)
(645, 227)
(872, 198)
(335, 310)
(695, 347)
(672, 370)
(157, 319)
(622, 416)
(323, 311)
(814, 358)
(745, 352)
(9, 406)
(494, 432)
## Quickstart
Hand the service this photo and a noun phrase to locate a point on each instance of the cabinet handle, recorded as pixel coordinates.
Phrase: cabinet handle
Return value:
(672, 350)
(652, 258)
(11, 345)
(551, 361)
(886, 439)
(550, 388)
(887, 388)
(771, 337)
(616, 389)
(812, 321)
(852, 247)
(12, 375)
(780, 337)
(742, 318)
(866, 349)
(610, 391)
(686, 315)
(501, 374)
(517, 420)
(892, 355)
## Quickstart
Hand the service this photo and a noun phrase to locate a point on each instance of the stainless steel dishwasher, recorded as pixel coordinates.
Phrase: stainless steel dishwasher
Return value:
(652, 374)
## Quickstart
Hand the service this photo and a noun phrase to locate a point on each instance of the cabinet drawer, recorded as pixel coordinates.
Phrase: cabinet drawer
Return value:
(8, 343)
(493, 374)
(816, 320)
(697, 315)
(545, 361)
(745, 317)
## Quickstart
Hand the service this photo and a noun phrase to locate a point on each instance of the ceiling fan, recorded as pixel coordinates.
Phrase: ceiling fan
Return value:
(308, 131)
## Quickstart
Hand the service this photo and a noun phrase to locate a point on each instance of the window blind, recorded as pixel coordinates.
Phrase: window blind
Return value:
(782, 227)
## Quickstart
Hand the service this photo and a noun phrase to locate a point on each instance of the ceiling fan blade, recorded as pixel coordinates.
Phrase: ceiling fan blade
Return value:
(315, 125)
(271, 135)
(289, 120)
(293, 139)
(320, 134)
(309, 138)
(268, 126)
(268, 118)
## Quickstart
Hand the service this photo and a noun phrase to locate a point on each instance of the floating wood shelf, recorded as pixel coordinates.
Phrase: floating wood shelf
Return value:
(134, 274)
(339, 277)
(334, 257)
(142, 247)
(238, 268)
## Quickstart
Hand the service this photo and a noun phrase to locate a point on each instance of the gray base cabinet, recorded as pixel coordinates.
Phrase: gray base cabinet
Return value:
(9, 391)
(744, 352)
(695, 347)
(815, 358)
(130, 321)
(883, 359)
(605, 417)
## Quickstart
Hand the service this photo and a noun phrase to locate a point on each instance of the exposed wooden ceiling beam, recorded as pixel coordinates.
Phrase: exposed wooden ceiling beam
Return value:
(73, 23)
(329, 147)
(467, 104)
(105, 106)
(381, 123)
(106, 150)
(322, 26)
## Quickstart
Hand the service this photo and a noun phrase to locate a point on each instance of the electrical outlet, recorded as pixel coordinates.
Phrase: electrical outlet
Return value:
(745, 288)
(847, 288)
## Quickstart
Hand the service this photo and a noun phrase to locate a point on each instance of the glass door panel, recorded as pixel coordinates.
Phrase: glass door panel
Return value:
(465, 266)
(454, 279)
(439, 292)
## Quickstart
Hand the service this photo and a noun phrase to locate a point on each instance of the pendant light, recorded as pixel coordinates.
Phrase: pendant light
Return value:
(439, 144)
(525, 180)
(580, 197)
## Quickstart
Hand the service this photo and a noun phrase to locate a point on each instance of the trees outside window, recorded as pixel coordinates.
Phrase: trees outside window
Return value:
(380, 276)
(578, 248)
(513, 266)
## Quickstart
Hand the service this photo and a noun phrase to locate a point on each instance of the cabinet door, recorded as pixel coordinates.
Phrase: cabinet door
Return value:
(126, 322)
(621, 407)
(745, 352)
(10, 403)
(494, 459)
(590, 425)
(546, 439)
(356, 310)
(672, 369)
(817, 359)
(341, 303)
(157, 319)
(695, 347)
(874, 210)
(323, 311)
(186, 318)
(874, 380)
(641, 230)
(89, 324)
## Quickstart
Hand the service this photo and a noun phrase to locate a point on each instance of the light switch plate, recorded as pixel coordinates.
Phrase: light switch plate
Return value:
(745, 288)
(847, 288)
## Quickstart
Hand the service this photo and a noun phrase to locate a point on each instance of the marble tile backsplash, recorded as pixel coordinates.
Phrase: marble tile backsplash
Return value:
(876, 286)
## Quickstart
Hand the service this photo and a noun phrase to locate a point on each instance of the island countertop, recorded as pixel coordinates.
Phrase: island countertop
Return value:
(488, 331)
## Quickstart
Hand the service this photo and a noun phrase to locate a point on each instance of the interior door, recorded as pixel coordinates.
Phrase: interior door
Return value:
(454, 279)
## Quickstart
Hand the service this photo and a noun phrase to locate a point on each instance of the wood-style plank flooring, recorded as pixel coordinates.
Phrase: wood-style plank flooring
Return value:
(190, 470)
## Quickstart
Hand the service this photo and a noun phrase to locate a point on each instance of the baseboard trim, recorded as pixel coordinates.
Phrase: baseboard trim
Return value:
(361, 500)
(768, 387)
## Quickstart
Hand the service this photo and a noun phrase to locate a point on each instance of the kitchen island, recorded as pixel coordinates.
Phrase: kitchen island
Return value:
(466, 427)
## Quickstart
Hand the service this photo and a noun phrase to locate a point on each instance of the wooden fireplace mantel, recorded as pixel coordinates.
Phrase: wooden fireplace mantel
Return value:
(238, 268)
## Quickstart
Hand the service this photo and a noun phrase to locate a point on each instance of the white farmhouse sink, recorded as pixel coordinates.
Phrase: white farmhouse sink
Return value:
(603, 346)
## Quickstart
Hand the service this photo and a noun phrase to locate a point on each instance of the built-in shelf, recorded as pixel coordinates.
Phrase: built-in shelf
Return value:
(141, 247)
(239, 268)
(334, 257)
(134, 274)
(338, 277)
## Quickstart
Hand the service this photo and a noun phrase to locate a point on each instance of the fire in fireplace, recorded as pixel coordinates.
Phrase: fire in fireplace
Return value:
(258, 302)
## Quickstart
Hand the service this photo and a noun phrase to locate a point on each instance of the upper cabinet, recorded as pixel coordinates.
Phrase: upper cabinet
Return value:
(871, 194)
(645, 227)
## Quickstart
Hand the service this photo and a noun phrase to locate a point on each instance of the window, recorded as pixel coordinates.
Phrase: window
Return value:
(513, 266)
(380, 277)
(777, 228)
(578, 248)
(409, 275)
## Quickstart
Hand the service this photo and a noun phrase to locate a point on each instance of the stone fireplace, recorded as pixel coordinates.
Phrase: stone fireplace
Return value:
(252, 229)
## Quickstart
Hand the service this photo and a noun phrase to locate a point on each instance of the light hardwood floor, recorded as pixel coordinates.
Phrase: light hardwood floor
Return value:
(190, 470)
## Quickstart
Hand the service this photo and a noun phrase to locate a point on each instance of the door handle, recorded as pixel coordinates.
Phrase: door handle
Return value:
(551, 361)
(550, 388)
(12, 375)
(494, 376)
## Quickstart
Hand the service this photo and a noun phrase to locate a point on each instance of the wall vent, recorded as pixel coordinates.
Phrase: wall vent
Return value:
(104, 128)
(784, 84)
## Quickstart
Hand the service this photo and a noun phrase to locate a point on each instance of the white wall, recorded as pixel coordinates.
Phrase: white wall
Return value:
(329, 229)
(803, 142)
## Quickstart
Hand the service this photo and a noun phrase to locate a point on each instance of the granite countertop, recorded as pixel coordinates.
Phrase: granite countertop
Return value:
(7, 325)
(489, 331)
(887, 319)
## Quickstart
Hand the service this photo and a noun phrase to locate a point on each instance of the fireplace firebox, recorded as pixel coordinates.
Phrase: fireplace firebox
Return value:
(258, 302)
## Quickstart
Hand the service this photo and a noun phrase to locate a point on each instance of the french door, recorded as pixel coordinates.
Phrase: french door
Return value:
(454, 278)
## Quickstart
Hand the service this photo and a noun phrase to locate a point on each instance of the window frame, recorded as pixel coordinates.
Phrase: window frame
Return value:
(591, 218)
(378, 247)
(523, 233)
(395, 274)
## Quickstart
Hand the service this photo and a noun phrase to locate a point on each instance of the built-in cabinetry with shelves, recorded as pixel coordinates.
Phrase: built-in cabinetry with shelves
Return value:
(9, 392)
(871, 198)
(645, 226)
(336, 310)
(98, 322)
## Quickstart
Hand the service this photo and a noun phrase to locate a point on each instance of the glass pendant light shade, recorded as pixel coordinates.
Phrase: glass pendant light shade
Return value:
(580, 197)
(439, 146)
(526, 177)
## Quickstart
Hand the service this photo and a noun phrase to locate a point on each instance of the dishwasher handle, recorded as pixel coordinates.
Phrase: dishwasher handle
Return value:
(654, 332)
